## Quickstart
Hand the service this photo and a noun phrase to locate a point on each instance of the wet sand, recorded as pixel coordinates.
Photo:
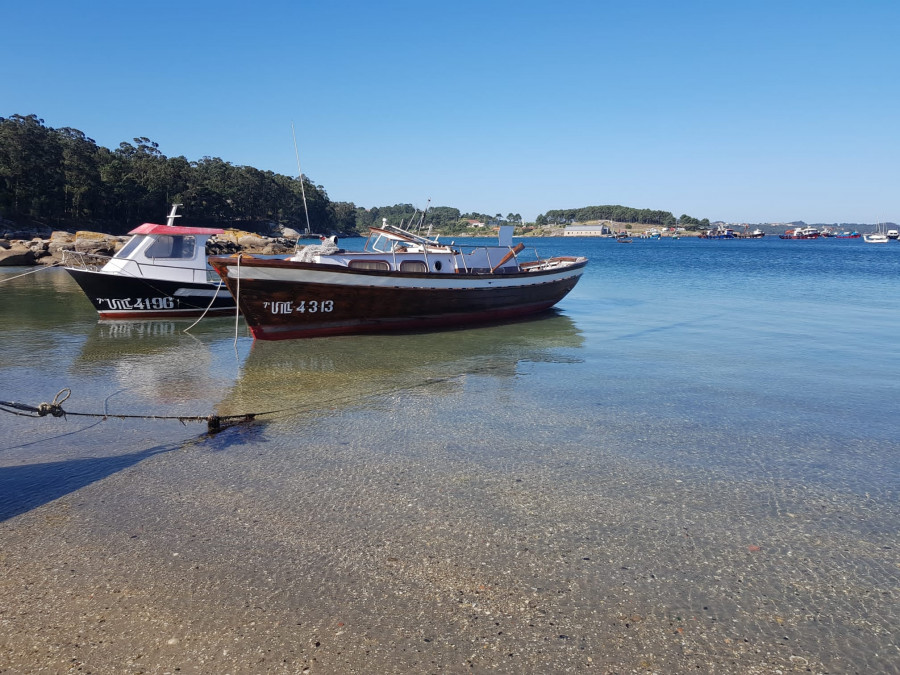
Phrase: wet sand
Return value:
(368, 545)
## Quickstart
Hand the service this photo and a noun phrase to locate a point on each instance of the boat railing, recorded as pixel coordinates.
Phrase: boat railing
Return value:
(91, 262)
(470, 258)
(94, 262)
(491, 255)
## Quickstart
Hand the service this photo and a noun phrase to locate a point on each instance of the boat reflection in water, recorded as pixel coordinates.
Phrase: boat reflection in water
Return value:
(164, 371)
(330, 373)
(157, 362)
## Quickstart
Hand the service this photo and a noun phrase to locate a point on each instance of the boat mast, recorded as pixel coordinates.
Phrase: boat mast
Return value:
(302, 188)
(422, 218)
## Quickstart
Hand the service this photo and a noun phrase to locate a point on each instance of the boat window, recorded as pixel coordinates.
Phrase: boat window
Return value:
(380, 265)
(413, 266)
(169, 246)
(129, 246)
(381, 244)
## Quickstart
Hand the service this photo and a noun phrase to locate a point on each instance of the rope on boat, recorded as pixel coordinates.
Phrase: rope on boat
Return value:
(200, 318)
(237, 297)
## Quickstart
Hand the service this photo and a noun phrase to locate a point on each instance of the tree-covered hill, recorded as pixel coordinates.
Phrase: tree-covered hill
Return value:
(618, 214)
(61, 178)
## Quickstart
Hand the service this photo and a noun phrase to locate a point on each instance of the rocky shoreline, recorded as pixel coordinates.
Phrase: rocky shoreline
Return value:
(17, 249)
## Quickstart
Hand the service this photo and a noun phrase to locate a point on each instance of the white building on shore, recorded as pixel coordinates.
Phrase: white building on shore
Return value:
(597, 230)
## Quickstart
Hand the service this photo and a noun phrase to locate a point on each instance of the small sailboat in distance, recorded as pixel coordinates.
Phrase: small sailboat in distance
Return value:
(876, 237)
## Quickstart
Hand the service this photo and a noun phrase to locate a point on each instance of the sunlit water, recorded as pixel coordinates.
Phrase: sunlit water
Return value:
(711, 423)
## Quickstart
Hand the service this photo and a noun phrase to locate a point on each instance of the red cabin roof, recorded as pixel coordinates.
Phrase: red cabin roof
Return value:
(151, 228)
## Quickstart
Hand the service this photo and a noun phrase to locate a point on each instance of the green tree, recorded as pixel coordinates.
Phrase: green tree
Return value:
(31, 177)
(689, 223)
(344, 217)
(81, 170)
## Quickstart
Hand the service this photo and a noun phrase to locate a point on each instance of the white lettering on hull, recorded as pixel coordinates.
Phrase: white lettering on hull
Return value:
(146, 304)
(301, 306)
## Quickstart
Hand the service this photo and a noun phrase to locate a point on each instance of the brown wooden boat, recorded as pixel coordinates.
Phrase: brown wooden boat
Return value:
(400, 281)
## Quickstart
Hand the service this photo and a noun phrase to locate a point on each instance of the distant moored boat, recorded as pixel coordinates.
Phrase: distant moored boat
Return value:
(807, 232)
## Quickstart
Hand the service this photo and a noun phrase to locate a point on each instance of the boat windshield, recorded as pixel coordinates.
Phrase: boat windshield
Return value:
(129, 246)
(386, 243)
(391, 238)
(169, 246)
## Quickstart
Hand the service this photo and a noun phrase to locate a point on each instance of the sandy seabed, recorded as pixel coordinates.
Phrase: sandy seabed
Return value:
(362, 543)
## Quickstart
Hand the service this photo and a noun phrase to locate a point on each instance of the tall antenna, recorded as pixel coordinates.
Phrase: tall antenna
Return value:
(302, 188)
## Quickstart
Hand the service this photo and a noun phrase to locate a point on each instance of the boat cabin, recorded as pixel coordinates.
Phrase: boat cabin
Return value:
(392, 249)
(164, 251)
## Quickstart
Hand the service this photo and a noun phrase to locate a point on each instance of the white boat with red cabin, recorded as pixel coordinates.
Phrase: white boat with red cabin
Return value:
(160, 272)
(399, 281)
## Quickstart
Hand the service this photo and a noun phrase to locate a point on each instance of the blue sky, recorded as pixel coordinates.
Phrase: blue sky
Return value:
(740, 111)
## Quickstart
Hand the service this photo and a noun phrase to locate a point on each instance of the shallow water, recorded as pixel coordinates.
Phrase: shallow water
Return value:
(691, 464)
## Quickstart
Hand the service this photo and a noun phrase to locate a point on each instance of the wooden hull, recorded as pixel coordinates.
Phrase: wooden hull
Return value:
(117, 296)
(281, 299)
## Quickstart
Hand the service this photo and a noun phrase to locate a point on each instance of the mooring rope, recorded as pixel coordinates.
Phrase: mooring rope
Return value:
(200, 318)
(39, 269)
(214, 423)
(237, 301)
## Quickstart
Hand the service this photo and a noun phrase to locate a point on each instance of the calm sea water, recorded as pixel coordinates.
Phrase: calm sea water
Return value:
(745, 392)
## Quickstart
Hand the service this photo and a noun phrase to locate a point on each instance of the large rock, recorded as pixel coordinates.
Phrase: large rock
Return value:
(234, 236)
(59, 242)
(17, 254)
(252, 242)
(96, 243)
(40, 247)
(277, 247)
(216, 246)
(51, 251)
